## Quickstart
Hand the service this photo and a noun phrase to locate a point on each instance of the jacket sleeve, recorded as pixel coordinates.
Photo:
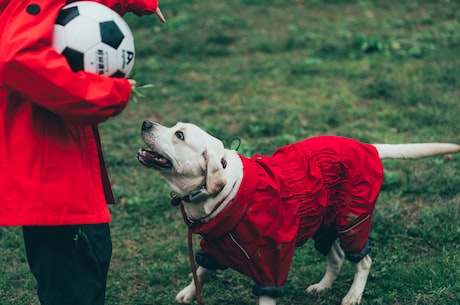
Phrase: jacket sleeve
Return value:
(138, 7)
(31, 67)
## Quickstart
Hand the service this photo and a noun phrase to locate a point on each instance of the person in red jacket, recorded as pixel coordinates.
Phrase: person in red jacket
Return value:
(53, 180)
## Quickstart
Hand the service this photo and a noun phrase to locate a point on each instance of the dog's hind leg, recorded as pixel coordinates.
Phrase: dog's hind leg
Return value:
(265, 300)
(359, 282)
(334, 260)
(188, 294)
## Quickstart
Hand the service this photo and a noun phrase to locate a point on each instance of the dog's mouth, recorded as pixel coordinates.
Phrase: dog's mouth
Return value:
(152, 159)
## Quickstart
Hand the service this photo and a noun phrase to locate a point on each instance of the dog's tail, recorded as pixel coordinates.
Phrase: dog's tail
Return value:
(416, 150)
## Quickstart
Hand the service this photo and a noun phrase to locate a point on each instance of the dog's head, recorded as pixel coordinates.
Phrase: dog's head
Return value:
(185, 155)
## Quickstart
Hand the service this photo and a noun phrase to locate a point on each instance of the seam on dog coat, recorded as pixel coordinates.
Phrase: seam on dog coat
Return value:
(284, 199)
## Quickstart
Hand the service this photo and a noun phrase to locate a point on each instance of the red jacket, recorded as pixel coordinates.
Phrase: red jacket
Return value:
(285, 198)
(51, 166)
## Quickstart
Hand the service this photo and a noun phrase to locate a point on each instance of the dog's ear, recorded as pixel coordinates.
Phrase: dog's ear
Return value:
(215, 179)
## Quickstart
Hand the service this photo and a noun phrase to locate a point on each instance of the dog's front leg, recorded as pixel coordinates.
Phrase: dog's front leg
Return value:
(265, 300)
(188, 294)
(359, 282)
(334, 262)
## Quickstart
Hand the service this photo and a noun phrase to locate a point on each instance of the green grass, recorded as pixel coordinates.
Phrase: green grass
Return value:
(270, 73)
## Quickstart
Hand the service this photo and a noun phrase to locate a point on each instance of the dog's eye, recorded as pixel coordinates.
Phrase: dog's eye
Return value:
(180, 135)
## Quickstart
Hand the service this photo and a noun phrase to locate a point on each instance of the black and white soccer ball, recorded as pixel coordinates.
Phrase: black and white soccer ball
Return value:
(94, 38)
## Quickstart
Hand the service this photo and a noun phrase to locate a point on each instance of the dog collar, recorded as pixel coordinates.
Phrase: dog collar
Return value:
(196, 197)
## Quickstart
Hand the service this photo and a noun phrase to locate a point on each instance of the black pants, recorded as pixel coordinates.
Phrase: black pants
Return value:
(70, 263)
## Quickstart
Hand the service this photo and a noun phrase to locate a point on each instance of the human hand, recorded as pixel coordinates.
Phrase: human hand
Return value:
(160, 15)
(132, 82)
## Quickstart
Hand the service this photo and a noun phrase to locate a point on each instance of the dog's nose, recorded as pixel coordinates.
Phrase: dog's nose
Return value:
(147, 125)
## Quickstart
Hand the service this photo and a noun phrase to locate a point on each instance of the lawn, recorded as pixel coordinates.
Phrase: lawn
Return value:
(269, 73)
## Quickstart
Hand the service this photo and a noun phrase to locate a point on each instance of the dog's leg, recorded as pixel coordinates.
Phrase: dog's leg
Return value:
(359, 282)
(188, 294)
(334, 262)
(265, 300)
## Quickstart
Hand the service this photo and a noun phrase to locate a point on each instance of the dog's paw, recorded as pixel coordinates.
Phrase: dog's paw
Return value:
(351, 299)
(315, 288)
(186, 295)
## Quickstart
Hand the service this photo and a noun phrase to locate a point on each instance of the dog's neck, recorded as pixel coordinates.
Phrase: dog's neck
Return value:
(205, 210)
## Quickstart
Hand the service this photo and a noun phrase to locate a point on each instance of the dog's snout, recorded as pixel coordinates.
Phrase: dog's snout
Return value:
(147, 125)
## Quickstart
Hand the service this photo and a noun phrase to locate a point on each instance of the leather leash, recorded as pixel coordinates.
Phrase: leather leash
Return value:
(193, 265)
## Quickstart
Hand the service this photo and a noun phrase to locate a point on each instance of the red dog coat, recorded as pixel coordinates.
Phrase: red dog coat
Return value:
(284, 200)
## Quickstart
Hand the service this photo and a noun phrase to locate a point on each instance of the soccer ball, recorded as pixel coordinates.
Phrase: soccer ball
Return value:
(95, 39)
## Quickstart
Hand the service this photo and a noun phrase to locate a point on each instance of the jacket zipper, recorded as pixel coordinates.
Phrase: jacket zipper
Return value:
(239, 246)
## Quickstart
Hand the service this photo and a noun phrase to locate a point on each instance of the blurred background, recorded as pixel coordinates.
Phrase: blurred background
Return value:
(270, 73)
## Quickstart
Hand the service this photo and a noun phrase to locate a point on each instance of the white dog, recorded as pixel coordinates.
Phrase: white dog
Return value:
(253, 212)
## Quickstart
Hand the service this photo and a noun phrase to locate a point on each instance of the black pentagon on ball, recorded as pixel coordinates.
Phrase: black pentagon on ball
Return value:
(74, 58)
(67, 15)
(111, 34)
(118, 74)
